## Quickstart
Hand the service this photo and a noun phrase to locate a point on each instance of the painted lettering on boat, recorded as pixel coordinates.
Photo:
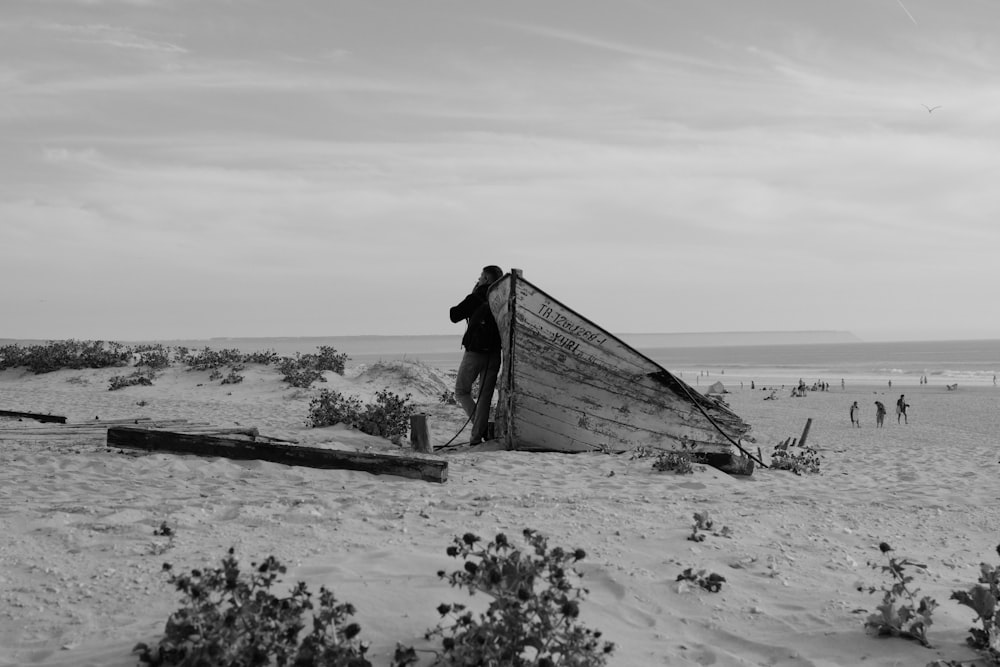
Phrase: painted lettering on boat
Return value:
(550, 314)
(565, 342)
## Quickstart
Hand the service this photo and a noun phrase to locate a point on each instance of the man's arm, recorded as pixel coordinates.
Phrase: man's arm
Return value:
(465, 309)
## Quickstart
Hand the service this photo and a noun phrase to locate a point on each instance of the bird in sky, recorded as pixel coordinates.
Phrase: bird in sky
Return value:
(930, 109)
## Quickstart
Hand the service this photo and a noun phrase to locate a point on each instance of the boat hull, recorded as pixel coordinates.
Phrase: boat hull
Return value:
(568, 385)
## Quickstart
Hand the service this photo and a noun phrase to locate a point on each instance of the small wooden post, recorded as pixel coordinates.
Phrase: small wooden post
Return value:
(805, 433)
(419, 437)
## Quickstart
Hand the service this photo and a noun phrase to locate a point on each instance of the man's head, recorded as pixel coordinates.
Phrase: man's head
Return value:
(490, 275)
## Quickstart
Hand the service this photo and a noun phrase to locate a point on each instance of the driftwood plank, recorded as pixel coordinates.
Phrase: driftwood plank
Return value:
(32, 415)
(231, 448)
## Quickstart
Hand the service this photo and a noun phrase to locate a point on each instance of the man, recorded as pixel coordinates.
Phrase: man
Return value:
(901, 406)
(482, 353)
(879, 413)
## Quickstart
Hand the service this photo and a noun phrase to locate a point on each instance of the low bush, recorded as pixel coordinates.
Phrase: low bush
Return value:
(329, 359)
(299, 372)
(264, 358)
(304, 369)
(72, 354)
(532, 617)
(704, 526)
(679, 463)
(984, 598)
(711, 582)
(902, 613)
(11, 356)
(230, 618)
(388, 417)
(152, 356)
(208, 359)
(233, 619)
(141, 378)
(232, 378)
(787, 456)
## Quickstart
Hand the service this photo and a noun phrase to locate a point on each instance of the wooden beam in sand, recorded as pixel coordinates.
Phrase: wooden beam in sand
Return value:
(33, 415)
(419, 436)
(429, 470)
(805, 432)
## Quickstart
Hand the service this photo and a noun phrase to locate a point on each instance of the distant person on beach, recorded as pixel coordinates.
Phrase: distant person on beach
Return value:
(855, 416)
(481, 358)
(901, 406)
(879, 414)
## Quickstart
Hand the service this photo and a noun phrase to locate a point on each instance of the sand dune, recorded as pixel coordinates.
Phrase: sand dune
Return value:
(81, 579)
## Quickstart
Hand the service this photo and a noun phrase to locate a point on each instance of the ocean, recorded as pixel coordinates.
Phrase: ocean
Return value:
(974, 362)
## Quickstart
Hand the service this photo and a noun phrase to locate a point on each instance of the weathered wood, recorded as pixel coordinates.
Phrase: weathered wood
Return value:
(251, 432)
(430, 470)
(805, 433)
(569, 385)
(33, 415)
(419, 437)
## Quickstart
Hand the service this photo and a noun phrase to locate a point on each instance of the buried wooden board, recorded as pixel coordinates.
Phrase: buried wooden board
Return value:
(97, 429)
(429, 470)
(33, 415)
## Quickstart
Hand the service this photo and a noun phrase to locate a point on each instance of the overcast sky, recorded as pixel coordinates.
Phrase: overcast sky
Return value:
(199, 168)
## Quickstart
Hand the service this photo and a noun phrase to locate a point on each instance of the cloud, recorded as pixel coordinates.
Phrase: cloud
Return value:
(299, 178)
(113, 36)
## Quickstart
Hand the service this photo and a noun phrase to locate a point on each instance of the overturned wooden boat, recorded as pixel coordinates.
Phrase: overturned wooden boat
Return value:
(568, 385)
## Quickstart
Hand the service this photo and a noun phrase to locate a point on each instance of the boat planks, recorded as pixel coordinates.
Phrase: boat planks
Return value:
(569, 385)
(430, 470)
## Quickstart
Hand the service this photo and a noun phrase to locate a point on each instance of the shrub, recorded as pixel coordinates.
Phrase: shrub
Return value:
(57, 355)
(299, 371)
(679, 462)
(232, 619)
(332, 407)
(144, 378)
(710, 582)
(983, 599)
(388, 417)
(901, 614)
(209, 359)
(703, 522)
(788, 456)
(532, 618)
(232, 378)
(265, 358)
(11, 356)
(153, 356)
(304, 369)
(447, 398)
(329, 359)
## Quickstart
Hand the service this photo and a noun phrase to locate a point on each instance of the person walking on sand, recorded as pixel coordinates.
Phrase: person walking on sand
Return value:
(481, 358)
(855, 415)
(901, 406)
(879, 414)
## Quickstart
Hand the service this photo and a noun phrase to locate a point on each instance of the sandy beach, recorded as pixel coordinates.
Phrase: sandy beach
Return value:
(80, 565)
